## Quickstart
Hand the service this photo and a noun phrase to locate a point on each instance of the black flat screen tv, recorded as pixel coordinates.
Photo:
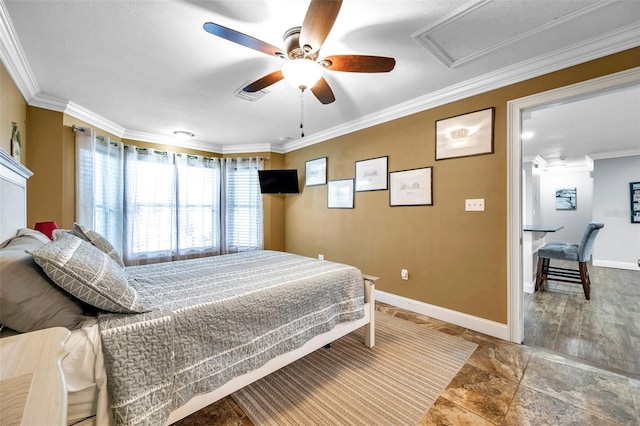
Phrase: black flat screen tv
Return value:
(278, 181)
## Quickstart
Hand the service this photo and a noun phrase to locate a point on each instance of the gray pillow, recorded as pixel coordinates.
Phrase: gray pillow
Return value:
(87, 273)
(97, 240)
(29, 300)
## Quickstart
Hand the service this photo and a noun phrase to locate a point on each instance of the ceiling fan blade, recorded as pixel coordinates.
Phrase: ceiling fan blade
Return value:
(317, 23)
(263, 82)
(243, 39)
(358, 63)
(323, 92)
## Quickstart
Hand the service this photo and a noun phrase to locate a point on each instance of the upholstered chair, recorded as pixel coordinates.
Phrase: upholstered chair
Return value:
(580, 253)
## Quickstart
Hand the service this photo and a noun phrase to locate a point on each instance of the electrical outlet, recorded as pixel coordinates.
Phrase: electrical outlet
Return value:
(321, 256)
(404, 274)
(474, 205)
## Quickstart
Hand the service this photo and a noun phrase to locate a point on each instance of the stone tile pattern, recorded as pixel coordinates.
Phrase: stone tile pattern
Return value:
(604, 330)
(504, 383)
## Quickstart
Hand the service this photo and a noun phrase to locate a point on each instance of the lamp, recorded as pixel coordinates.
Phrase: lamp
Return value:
(46, 228)
(302, 73)
(183, 135)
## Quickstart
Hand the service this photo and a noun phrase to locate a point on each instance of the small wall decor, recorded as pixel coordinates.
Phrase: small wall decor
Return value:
(566, 199)
(371, 175)
(340, 194)
(411, 187)
(16, 145)
(315, 172)
(465, 135)
(634, 188)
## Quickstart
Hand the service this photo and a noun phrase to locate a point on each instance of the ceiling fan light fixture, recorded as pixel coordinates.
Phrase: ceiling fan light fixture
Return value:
(302, 73)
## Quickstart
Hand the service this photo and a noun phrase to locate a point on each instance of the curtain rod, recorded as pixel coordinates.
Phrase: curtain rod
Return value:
(76, 128)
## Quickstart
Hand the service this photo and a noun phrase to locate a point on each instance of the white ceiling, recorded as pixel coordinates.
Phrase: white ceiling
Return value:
(598, 126)
(143, 69)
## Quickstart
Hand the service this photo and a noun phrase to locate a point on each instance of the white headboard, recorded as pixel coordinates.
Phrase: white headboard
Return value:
(13, 195)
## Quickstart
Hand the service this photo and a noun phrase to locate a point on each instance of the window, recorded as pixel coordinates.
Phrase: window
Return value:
(159, 206)
(150, 205)
(100, 185)
(199, 204)
(243, 205)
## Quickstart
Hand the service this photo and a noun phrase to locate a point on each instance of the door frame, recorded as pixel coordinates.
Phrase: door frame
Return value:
(515, 301)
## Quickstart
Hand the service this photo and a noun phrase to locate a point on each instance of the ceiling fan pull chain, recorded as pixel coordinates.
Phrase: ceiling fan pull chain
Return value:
(302, 113)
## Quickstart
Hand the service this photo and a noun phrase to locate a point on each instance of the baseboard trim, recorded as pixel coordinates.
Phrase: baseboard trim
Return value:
(481, 325)
(529, 288)
(616, 265)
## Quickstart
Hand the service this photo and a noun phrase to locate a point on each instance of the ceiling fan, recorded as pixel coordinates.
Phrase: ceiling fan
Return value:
(302, 45)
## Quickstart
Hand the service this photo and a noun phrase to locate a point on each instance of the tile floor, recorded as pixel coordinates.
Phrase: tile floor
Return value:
(503, 383)
(604, 330)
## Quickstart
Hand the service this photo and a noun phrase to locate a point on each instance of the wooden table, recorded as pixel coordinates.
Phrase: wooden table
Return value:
(534, 237)
(32, 387)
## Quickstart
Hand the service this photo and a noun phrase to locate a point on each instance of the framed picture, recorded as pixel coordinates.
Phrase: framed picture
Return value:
(340, 194)
(315, 172)
(465, 135)
(566, 199)
(634, 188)
(411, 187)
(371, 175)
(15, 142)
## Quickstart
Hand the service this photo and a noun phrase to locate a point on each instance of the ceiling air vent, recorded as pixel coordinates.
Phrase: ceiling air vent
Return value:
(250, 96)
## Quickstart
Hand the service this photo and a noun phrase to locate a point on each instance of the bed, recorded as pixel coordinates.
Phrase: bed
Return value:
(170, 339)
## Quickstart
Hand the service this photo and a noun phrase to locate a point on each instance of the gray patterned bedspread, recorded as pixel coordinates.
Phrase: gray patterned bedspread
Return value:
(213, 319)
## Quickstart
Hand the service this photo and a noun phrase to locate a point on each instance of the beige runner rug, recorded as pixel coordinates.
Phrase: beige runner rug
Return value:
(395, 383)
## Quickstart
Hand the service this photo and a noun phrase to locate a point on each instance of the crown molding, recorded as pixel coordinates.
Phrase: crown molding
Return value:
(89, 117)
(200, 145)
(53, 103)
(13, 57)
(615, 154)
(172, 141)
(241, 149)
(617, 41)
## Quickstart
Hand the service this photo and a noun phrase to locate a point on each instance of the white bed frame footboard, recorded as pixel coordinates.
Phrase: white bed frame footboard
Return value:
(200, 401)
(13, 178)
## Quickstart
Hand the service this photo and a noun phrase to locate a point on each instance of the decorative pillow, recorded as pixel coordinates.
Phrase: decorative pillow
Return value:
(29, 300)
(87, 273)
(97, 240)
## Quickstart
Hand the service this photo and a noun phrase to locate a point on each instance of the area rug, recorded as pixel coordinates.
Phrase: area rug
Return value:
(394, 383)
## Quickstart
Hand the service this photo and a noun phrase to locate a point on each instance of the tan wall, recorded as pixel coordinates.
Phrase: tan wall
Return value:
(273, 210)
(456, 259)
(51, 158)
(13, 108)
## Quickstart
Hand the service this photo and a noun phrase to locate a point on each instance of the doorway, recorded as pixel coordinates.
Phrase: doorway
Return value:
(515, 110)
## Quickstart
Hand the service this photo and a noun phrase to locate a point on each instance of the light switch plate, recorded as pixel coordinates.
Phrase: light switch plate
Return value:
(474, 205)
